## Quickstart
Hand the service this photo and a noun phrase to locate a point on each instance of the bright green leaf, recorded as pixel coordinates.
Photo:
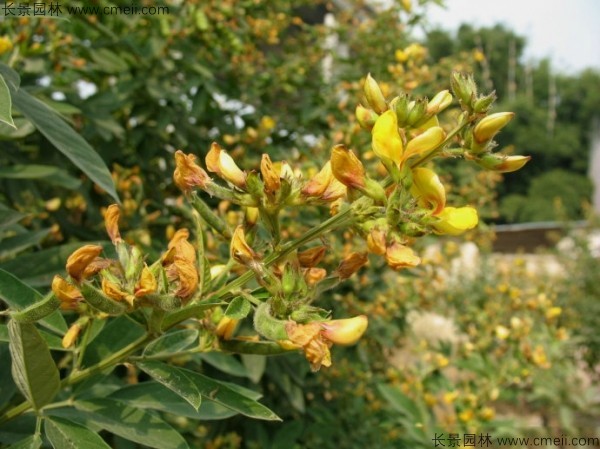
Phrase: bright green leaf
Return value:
(5, 104)
(19, 295)
(54, 342)
(174, 379)
(65, 139)
(65, 434)
(132, 423)
(33, 368)
(172, 342)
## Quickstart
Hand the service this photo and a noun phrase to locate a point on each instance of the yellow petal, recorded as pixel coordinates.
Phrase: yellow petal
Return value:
(239, 249)
(456, 220)
(424, 142)
(347, 168)
(399, 256)
(147, 283)
(68, 294)
(386, 140)
(111, 221)
(318, 183)
(113, 290)
(80, 259)
(428, 190)
(345, 332)
(269, 175)
(187, 173)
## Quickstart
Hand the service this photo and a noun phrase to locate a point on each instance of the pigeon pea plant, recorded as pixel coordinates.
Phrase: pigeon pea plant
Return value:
(259, 299)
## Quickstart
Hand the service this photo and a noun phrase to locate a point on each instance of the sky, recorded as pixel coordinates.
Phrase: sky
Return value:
(567, 31)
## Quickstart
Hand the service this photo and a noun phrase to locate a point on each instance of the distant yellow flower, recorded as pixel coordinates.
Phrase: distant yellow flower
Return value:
(5, 44)
(111, 221)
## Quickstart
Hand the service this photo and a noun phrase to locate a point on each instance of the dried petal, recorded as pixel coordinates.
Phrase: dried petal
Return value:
(80, 259)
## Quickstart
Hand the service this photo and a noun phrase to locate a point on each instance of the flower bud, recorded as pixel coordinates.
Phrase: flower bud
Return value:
(111, 221)
(351, 264)
(386, 140)
(69, 339)
(399, 256)
(251, 215)
(239, 249)
(346, 167)
(502, 163)
(312, 256)
(489, 126)
(226, 328)
(345, 332)
(428, 190)
(464, 88)
(483, 104)
(439, 102)
(187, 173)
(400, 105)
(221, 163)
(80, 259)
(366, 117)
(456, 220)
(417, 112)
(270, 176)
(425, 142)
(374, 95)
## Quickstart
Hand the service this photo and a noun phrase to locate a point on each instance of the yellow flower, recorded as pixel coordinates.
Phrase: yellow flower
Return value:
(501, 163)
(346, 167)
(456, 220)
(226, 328)
(80, 259)
(399, 256)
(187, 274)
(147, 283)
(502, 332)
(219, 162)
(314, 275)
(68, 294)
(309, 338)
(187, 173)
(113, 290)
(376, 242)
(424, 142)
(345, 332)
(374, 95)
(490, 125)
(428, 190)
(69, 338)
(111, 221)
(269, 175)
(239, 249)
(386, 141)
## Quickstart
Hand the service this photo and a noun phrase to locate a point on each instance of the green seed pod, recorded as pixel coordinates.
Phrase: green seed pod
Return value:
(38, 310)
(268, 326)
(165, 302)
(99, 301)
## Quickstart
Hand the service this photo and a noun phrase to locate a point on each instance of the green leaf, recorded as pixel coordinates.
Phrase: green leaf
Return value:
(65, 434)
(54, 342)
(113, 337)
(65, 139)
(132, 423)
(19, 295)
(20, 242)
(5, 104)
(238, 308)
(255, 366)
(11, 77)
(7, 386)
(228, 397)
(31, 442)
(225, 362)
(10, 217)
(152, 395)
(23, 129)
(172, 342)
(174, 379)
(48, 173)
(33, 368)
